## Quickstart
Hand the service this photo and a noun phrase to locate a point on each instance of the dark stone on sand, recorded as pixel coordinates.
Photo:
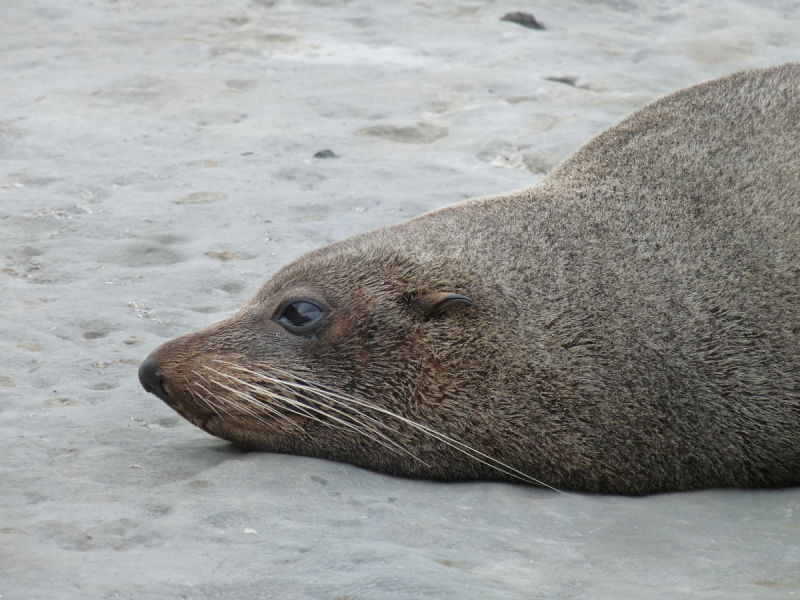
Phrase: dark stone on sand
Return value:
(524, 19)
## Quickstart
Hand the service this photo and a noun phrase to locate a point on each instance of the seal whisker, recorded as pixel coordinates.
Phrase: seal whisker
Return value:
(199, 398)
(312, 387)
(294, 407)
(240, 407)
(299, 408)
(280, 382)
(453, 443)
(341, 422)
(328, 407)
(229, 402)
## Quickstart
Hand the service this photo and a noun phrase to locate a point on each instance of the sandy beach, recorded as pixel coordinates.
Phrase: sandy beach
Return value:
(157, 165)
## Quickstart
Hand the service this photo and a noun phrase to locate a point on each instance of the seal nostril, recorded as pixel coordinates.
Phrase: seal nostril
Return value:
(152, 379)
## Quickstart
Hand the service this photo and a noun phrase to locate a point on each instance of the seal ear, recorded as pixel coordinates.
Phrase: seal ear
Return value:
(437, 303)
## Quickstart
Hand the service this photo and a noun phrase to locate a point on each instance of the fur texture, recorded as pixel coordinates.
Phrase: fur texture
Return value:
(635, 328)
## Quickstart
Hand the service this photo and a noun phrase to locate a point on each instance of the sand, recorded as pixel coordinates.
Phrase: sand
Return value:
(157, 164)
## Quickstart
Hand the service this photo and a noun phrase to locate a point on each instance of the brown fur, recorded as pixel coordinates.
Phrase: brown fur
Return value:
(635, 328)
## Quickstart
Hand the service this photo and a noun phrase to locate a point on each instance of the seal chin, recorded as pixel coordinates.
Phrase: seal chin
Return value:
(152, 379)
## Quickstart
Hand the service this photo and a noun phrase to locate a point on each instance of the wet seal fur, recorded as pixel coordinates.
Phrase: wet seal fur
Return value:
(630, 324)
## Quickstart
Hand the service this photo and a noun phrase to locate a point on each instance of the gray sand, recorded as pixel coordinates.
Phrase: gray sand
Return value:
(157, 165)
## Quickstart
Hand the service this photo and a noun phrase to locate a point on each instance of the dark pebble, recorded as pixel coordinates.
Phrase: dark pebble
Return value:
(524, 19)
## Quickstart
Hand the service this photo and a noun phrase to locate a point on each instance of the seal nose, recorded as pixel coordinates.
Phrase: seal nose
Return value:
(152, 379)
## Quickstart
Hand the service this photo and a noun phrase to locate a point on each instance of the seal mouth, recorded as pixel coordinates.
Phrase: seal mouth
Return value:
(151, 376)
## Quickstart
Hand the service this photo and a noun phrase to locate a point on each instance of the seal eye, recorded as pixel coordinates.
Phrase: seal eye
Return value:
(300, 314)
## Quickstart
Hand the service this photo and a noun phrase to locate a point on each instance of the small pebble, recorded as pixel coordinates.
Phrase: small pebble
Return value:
(524, 19)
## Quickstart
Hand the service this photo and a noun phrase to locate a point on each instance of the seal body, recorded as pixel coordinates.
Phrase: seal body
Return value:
(630, 324)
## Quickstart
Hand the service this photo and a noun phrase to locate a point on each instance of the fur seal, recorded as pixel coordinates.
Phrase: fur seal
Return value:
(630, 324)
